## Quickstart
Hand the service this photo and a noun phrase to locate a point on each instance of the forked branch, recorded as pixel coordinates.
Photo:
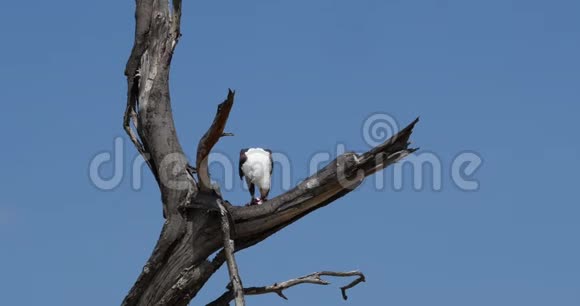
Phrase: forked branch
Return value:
(278, 288)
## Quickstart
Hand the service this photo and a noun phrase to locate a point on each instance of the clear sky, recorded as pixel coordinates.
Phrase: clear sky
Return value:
(497, 78)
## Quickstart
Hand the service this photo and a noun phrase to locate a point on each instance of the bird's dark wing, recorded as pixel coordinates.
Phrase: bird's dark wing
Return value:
(271, 160)
(243, 159)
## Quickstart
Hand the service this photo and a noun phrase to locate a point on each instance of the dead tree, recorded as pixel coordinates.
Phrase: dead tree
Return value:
(198, 221)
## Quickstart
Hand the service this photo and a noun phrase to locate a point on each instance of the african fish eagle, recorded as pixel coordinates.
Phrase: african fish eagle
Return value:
(256, 165)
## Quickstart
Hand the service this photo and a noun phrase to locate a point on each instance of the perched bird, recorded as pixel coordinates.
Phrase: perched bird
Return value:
(256, 165)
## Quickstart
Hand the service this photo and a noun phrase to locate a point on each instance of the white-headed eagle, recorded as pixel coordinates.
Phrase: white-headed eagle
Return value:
(256, 165)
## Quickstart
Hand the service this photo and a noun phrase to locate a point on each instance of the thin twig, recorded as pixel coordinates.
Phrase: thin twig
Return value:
(278, 288)
(359, 279)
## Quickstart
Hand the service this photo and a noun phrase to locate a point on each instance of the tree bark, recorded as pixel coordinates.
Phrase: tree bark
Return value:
(180, 264)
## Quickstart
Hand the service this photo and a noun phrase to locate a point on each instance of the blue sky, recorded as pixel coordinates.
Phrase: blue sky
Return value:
(498, 78)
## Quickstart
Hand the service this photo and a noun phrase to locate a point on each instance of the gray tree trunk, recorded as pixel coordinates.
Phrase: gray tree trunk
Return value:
(180, 264)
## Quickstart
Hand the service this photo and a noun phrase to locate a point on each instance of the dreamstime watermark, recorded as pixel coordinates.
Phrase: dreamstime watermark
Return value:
(421, 169)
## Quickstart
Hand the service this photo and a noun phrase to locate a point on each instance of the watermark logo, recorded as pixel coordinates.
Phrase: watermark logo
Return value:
(378, 128)
(424, 169)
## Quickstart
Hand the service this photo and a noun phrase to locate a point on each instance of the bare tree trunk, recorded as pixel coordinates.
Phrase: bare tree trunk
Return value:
(180, 265)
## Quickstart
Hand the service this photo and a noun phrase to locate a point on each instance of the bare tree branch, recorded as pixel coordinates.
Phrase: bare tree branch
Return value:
(210, 138)
(358, 280)
(278, 288)
(235, 278)
(339, 177)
